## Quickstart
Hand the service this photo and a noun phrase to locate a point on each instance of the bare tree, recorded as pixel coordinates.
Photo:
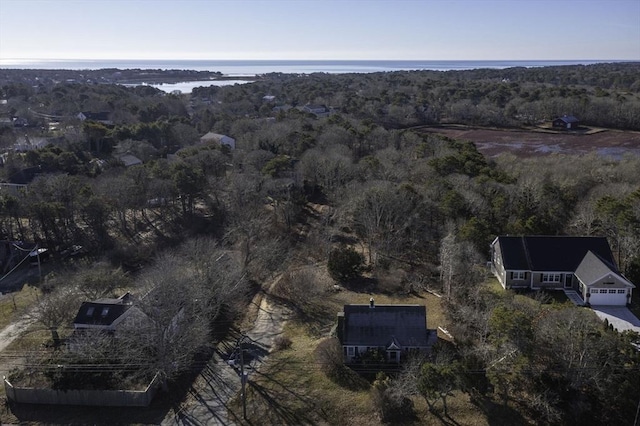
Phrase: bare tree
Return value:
(57, 309)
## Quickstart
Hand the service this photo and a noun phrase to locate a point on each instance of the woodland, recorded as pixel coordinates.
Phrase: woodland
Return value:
(199, 228)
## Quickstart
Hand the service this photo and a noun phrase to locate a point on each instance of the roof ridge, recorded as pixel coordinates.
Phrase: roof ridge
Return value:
(526, 252)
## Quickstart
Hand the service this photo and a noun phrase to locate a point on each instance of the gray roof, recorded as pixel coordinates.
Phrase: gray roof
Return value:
(592, 268)
(568, 119)
(381, 325)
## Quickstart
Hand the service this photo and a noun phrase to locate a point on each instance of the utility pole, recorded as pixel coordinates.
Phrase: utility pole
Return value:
(243, 380)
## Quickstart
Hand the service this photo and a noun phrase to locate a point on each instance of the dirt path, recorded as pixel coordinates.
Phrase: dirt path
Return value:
(8, 335)
(219, 382)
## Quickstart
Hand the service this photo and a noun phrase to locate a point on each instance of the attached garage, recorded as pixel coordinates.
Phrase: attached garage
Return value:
(601, 284)
(603, 296)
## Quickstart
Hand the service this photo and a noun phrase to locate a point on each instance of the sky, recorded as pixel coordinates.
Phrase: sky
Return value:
(321, 29)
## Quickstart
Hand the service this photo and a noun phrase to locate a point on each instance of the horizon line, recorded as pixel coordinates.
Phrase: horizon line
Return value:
(311, 59)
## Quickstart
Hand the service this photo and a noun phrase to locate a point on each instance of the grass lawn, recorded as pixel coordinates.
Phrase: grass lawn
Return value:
(12, 305)
(292, 387)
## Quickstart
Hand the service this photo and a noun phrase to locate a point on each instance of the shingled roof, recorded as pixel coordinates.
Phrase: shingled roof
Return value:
(404, 325)
(102, 312)
(552, 253)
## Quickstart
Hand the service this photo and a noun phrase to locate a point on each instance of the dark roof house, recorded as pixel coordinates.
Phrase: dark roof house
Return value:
(105, 314)
(394, 330)
(100, 117)
(560, 263)
(566, 122)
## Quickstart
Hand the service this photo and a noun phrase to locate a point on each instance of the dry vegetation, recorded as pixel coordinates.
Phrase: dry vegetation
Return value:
(293, 388)
(12, 305)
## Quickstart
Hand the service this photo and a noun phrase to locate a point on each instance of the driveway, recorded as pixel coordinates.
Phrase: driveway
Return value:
(219, 382)
(620, 317)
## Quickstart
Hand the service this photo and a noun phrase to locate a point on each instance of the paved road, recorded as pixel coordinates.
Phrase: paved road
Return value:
(219, 382)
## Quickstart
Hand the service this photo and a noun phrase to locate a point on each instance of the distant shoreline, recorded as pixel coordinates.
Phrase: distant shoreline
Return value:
(257, 67)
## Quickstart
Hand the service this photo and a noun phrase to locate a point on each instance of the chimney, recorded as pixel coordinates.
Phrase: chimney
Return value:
(371, 303)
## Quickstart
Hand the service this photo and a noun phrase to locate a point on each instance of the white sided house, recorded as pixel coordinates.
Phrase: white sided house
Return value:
(600, 284)
(392, 330)
(581, 264)
(107, 314)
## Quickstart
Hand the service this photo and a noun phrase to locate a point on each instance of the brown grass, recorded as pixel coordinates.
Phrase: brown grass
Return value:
(292, 388)
(12, 305)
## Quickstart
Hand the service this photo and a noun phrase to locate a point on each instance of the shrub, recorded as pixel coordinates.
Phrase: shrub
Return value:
(329, 356)
(390, 405)
(345, 264)
(281, 343)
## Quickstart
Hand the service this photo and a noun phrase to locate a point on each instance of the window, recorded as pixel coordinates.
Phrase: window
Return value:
(595, 291)
(621, 291)
(518, 275)
(612, 291)
(90, 311)
(608, 283)
(105, 311)
(350, 350)
(550, 278)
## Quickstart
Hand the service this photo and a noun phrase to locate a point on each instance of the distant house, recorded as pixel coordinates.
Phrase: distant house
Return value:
(581, 264)
(393, 330)
(25, 143)
(14, 189)
(317, 110)
(218, 139)
(100, 117)
(567, 122)
(268, 98)
(107, 314)
(130, 160)
(26, 175)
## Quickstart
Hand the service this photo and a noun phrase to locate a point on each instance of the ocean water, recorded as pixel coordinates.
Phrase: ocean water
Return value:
(256, 67)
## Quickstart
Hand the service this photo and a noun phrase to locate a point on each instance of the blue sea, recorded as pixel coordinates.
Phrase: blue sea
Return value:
(256, 67)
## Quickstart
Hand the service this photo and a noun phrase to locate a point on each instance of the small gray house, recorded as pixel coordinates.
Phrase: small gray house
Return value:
(582, 264)
(394, 330)
(567, 122)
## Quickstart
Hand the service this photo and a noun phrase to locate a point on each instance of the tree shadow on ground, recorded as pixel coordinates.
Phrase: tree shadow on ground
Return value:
(499, 414)
(60, 414)
(361, 285)
(273, 398)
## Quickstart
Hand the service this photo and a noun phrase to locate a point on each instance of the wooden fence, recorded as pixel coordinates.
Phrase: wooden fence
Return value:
(116, 398)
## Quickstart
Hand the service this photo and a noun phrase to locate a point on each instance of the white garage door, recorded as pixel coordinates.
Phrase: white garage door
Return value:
(608, 297)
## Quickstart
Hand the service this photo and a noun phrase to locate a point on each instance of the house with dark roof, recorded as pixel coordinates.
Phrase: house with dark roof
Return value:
(581, 264)
(107, 314)
(567, 122)
(392, 330)
(317, 110)
(100, 117)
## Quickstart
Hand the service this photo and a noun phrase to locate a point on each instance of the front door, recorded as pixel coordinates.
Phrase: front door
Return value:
(568, 280)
